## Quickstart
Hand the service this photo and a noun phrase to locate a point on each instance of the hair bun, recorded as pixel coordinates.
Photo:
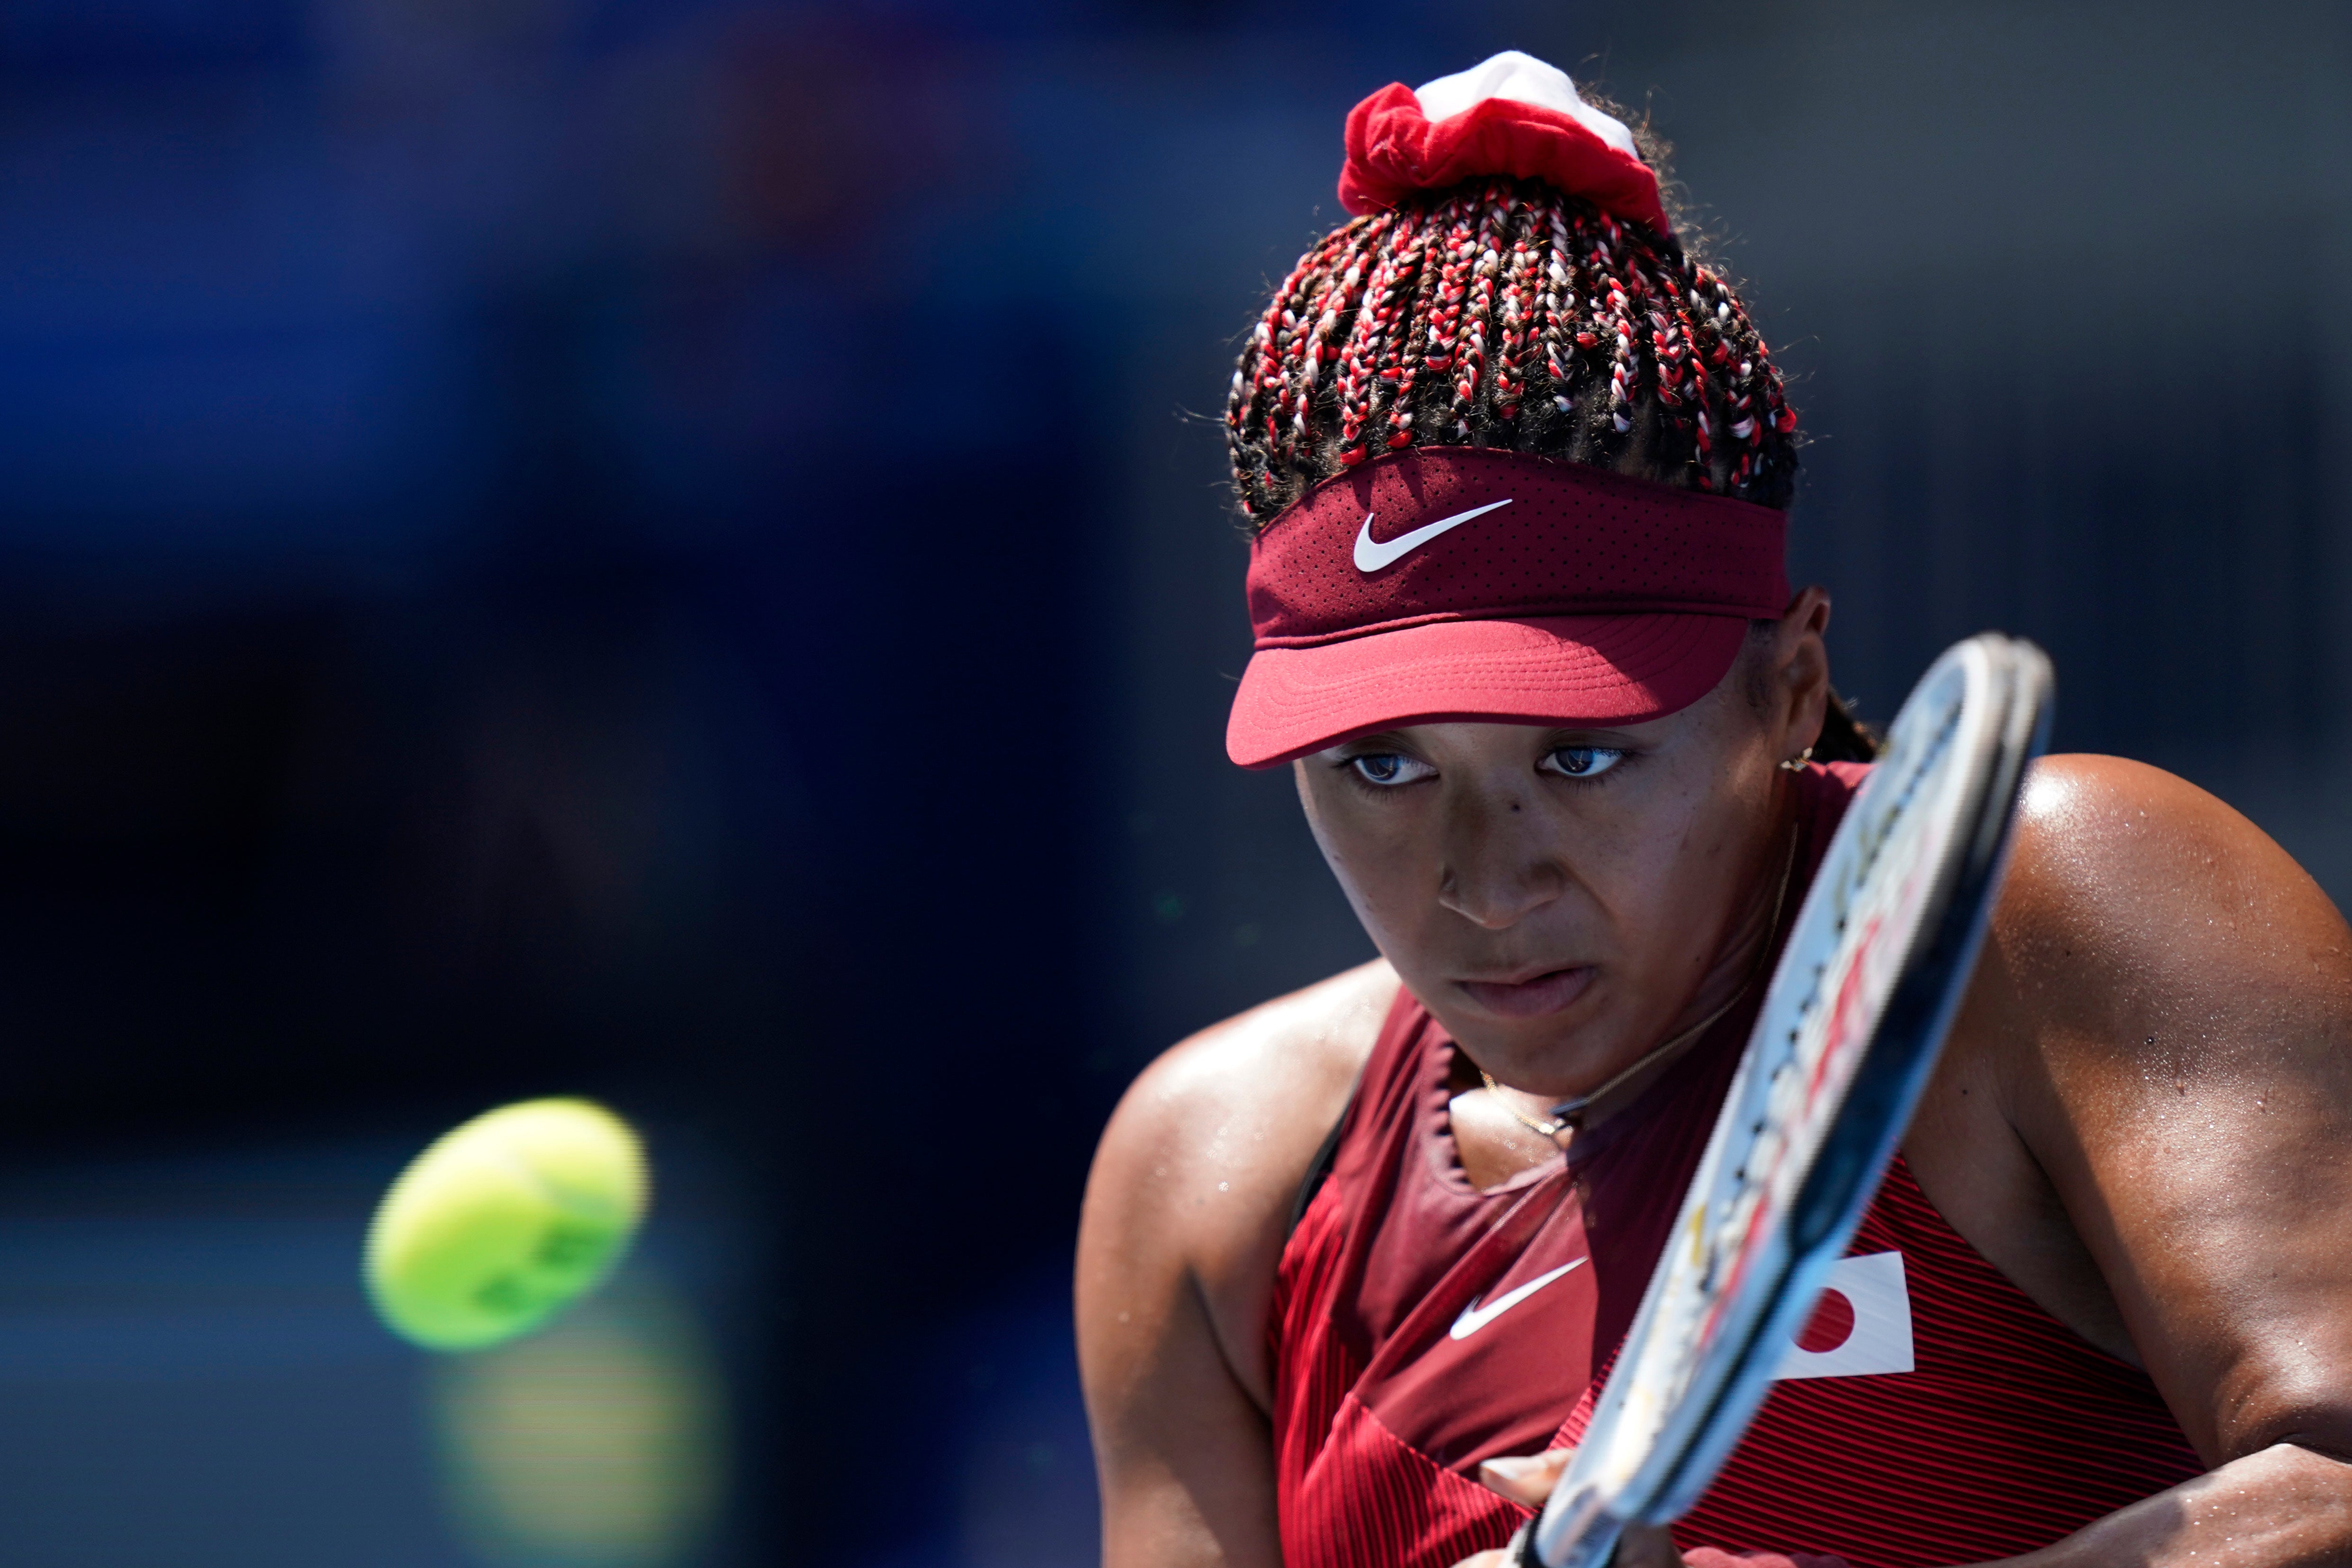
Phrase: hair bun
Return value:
(1513, 115)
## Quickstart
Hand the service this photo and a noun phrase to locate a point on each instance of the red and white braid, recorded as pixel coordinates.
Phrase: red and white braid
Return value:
(1340, 298)
(1259, 373)
(1558, 312)
(1518, 320)
(1613, 313)
(1441, 349)
(1477, 320)
(1358, 379)
(1293, 321)
(1698, 388)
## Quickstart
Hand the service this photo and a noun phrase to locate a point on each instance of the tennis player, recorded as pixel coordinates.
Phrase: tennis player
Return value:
(1353, 1264)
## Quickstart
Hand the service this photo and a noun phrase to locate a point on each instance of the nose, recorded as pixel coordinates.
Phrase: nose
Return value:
(1497, 870)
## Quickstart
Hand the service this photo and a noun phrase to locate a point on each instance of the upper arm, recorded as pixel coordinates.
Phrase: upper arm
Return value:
(2185, 992)
(1181, 1231)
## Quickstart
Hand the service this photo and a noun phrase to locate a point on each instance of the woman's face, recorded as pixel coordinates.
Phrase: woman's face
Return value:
(1562, 899)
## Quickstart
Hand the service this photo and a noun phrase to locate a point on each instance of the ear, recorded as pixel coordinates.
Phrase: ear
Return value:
(1797, 672)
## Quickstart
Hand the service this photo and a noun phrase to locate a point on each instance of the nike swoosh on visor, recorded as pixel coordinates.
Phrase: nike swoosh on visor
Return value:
(1371, 555)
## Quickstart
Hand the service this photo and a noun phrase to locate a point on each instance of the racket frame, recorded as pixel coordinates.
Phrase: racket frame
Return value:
(1720, 1374)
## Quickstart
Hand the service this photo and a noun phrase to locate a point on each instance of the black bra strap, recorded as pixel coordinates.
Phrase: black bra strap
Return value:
(1318, 1169)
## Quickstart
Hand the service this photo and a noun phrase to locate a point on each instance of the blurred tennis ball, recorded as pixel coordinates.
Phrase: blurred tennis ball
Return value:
(504, 1221)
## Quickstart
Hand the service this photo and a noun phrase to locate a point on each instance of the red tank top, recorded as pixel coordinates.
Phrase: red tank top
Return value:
(1930, 1413)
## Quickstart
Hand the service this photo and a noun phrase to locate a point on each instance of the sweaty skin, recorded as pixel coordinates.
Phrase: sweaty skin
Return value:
(2143, 1117)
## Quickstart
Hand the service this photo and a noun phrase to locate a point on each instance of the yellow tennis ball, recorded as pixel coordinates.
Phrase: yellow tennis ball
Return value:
(505, 1220)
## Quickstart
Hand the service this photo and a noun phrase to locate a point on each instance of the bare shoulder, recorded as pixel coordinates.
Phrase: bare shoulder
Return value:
(2128, 875)
(2153, 1038)
(1197, 1170)
(2087, 820)
(2159, 1142)
(1284, 1061)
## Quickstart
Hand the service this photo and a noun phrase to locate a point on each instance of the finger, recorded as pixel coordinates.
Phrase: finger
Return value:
(1526, 1479)
(1646, 1546)
(1484, 1560)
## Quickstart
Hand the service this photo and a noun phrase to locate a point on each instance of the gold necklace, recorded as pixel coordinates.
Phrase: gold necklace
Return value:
(1566, 1115)
(1540, 1129)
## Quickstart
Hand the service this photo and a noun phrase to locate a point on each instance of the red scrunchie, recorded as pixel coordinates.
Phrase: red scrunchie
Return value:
(1395, 150)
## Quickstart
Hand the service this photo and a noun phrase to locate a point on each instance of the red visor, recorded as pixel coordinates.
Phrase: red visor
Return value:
(1456, 583)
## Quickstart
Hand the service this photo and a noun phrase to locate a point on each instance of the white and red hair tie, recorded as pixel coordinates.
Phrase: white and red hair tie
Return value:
(1511, 114)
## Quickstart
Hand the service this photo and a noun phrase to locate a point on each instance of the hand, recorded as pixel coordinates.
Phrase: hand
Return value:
(1529, 1479)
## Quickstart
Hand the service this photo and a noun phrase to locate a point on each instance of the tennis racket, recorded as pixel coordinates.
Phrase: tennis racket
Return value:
(1857, 1010)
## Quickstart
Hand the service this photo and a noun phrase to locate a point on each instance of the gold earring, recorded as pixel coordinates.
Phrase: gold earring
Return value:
(1797, 764)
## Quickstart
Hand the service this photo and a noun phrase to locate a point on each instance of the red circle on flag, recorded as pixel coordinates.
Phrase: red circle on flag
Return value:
(1830, 1325)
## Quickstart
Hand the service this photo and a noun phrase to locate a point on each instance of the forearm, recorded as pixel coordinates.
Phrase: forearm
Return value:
(2286, 1507)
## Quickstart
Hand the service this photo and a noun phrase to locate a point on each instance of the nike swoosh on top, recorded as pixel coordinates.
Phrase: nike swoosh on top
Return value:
(1371, 555)
(1475, 1317)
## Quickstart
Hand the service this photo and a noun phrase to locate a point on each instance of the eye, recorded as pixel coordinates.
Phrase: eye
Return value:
(1389, 768)
(1584, 761)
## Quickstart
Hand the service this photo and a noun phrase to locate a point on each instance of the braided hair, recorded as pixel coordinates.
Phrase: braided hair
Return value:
(1502, 312)
(1505, 313)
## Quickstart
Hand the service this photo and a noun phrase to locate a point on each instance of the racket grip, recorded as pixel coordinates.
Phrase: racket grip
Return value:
(1591, 1540)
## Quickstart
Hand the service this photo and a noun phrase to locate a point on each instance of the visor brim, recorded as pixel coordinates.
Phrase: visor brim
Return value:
(1566, 669)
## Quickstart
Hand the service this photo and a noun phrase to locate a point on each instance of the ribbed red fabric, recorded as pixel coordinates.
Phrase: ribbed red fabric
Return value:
(2009, 1433)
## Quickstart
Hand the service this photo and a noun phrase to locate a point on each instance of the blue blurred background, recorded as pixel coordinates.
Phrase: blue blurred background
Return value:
(675, 551)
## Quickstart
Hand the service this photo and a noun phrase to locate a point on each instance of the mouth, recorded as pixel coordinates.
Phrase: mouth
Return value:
(1536, 997)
